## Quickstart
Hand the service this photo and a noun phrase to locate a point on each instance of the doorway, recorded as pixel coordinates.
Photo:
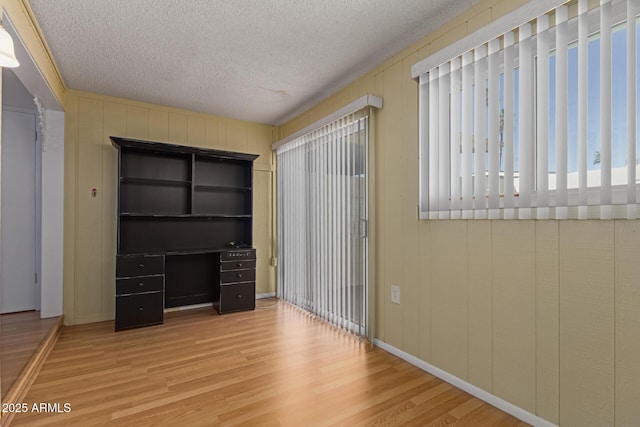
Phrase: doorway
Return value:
(323, 222)
(19, 217)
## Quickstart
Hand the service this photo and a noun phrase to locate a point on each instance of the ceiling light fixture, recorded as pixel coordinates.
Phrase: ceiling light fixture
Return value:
(7, 53)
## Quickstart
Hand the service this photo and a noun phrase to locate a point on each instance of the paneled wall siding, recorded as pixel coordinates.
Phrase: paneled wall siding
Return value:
(543, 314)
(91, 162)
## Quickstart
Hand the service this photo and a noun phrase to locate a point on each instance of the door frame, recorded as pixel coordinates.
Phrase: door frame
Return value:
(52, 168)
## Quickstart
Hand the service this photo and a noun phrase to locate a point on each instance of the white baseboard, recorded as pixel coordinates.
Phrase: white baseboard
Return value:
(499, 403)
(267, 295)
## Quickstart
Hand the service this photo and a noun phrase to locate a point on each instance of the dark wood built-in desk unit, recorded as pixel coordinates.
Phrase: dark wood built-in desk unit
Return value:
(185, 218)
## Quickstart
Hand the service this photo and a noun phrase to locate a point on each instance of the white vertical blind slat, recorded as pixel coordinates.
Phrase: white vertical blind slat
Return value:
(443, 138)
(493, 131)
(326, 235)
(542, 116)
(479, 132)
(525, 128)
(561, 111)
(298, 242)
(288, 272)
(455, 138)
(290, 243)
(605, 109)
(509, 113)
(318, 225)
(294, 243)
(631, 108)
(299, 275)
(423, 135)
(327, 250)
(364, 272)
(330, 249)
(583, 96)
(467, 135)
(305, 273)
(323, 231)
(340, 215)
(434, 147)
(345, 225)
(334, 227)
(345, 222)
(280, 215)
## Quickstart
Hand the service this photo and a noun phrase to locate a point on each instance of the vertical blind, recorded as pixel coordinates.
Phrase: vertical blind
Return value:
(322, 214)
(539, 122)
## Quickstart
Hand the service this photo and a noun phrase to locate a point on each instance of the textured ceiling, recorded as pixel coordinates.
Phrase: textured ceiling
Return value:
(258, 60)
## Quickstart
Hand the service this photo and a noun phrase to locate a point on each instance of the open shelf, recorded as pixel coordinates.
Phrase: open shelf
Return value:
(155, 165)
(221, 173)
(158, 199)
(150, 234)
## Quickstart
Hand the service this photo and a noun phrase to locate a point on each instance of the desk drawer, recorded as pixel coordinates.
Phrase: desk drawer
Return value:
(237, 265)
(139, 310)
(139, 265)
(236, 276)
(136, 285)
(238, 254)
(238, 297)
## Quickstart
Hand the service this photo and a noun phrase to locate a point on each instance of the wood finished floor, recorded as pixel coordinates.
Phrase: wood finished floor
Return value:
(273, 366)
(20, 335)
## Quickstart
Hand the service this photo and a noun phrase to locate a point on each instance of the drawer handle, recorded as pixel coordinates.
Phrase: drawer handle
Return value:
(141, 285)
(239, 264)
(239, 276)
(141, 308)
(140, 265)
(239, 296)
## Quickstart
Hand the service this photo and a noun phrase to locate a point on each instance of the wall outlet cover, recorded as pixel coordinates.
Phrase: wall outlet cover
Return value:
(395, 294)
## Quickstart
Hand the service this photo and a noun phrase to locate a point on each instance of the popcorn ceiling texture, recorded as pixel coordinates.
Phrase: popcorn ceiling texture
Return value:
(257, 60)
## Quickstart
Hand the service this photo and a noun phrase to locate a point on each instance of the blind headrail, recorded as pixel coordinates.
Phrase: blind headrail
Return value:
(497, 28)
(367, 100)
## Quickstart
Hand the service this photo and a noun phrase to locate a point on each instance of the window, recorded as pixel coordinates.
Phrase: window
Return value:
(539, 122)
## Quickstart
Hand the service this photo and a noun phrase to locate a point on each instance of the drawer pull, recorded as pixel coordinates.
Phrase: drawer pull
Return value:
(239, 275)
(239, 296)
(141, 285)
(140, 265)
(141, 308)
(239, 264)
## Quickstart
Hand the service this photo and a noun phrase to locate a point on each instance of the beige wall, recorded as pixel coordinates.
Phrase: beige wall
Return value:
(544, 314)
(91, 161)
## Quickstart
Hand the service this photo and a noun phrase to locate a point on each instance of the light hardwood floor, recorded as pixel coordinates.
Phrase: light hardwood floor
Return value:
(20, 335)
(272, 366)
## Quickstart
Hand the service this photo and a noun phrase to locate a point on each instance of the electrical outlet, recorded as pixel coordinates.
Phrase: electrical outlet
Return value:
(395, 294)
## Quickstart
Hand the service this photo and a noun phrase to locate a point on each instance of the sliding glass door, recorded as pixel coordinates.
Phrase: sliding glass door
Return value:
(322, 222)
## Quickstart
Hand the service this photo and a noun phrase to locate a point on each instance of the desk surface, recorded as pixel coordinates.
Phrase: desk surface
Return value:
(188, 251)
